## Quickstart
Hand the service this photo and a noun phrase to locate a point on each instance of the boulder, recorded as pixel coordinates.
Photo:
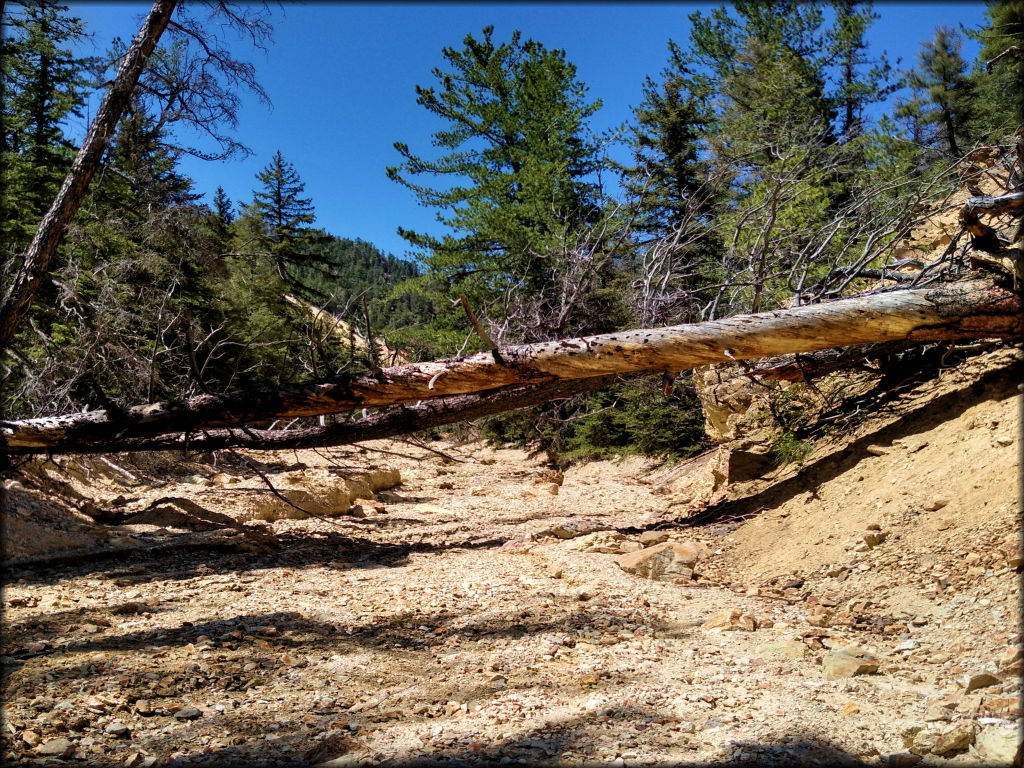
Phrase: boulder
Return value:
(670, 561)
(731, 621)
(847, 662)
(729, 400)
(998, 744)
(956, 738)
(650, 538)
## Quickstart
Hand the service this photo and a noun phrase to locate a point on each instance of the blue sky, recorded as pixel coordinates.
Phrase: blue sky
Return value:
(342, 76)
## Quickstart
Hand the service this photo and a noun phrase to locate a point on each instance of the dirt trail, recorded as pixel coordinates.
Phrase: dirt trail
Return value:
(476, 612)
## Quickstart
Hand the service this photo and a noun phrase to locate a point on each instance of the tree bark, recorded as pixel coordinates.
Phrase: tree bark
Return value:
(975, 308)
(388, 422)
(43, 248)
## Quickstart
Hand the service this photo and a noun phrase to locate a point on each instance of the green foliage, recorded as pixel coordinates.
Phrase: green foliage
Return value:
(1000, 92)
(282, 218)
(635, 417)
(862, 80)
(43, 84)
(513, 185)
(947, 101)
(791, 412)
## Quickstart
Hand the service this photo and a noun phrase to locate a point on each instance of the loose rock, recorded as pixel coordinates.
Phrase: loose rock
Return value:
(667, 561)
(56, 748)
(845, 663)
(954, 739)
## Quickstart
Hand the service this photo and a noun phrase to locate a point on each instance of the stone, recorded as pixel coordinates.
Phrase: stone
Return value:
(841, 663)
(936, 503)
(909, 734)
(956, 738)
(630, 546)
(923, 742)
(903, 759)
(981, 680)
(371, 505)
(936, 712)
(56, 748)
(998, 744)
(874, 538)
(877, 450)
(1011, 550)
(650, 538)
(31, 738)
(1006, 707)
(731, 620)
(1010, 656)
(820, 617)
(188, 713)
(117, 728)
(573, 530)
(969, 704)
(551, 488)
(144, 707)
(670, 561)
(787, 649)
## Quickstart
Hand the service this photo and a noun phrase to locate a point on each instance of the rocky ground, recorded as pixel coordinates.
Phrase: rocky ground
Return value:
(457, 605)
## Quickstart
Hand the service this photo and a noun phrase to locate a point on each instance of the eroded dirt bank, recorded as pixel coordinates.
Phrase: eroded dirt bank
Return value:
(476, 612)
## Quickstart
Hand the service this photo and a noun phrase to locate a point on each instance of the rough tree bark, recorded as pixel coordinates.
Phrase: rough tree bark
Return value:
(395, 420)
(43, 248)
(975, 308)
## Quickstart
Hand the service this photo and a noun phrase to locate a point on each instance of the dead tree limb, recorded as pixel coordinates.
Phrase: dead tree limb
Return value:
(388, 422)
(977, 308)
(43, 248)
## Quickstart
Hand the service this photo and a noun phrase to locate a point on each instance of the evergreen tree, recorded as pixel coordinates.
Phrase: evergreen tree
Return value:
(145, 164)
(516, 176)
(223, 207)
(942, 76)
(1000, 92)
(43, 85)
(862, 80)
(283, 217)
(668, 177)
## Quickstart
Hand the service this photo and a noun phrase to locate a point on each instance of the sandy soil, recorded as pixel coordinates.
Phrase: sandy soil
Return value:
(475, 612)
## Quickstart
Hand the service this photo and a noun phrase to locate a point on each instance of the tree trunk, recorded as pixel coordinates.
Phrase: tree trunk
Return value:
(387, 422)
(969, 309)
(43, 248)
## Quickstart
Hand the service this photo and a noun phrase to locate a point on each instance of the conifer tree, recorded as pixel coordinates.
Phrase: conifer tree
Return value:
(862, 80)
(43, 84)
(283, 217)
(999, 86)
(515, 174)
(942, 76)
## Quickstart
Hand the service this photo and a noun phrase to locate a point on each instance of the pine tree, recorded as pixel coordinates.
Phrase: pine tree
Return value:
(668, 177)
(283, 217)
(516, 174)
(862, 80)
(942, 76)
(1000, 91)
(43, 85)
(223, 207)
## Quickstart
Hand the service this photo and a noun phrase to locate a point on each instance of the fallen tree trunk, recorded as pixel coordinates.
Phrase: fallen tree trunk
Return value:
(387, 422)
(969, 309)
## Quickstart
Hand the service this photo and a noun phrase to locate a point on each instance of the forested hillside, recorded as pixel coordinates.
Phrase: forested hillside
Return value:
(775, 163)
